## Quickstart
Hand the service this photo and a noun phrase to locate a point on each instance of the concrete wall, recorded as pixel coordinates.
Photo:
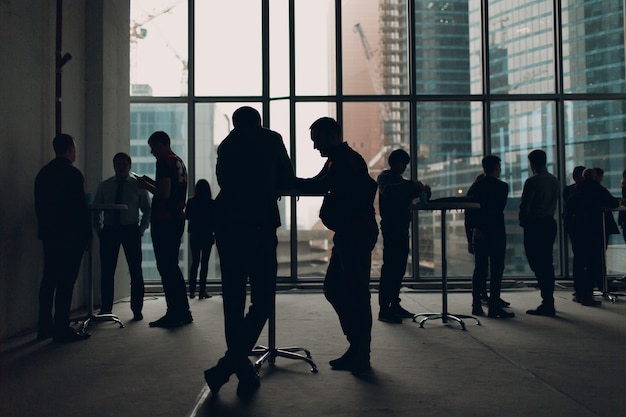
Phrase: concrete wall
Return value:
(95, 111)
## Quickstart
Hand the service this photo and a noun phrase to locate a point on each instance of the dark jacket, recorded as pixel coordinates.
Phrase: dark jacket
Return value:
(585, 208)
(60, 203)
(348, 190)
(492, 195)
(252, 165)
(394, 197)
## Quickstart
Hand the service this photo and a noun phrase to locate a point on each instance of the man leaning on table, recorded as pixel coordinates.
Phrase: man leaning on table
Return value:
(348, 210)
(394, 197)
(121, 228)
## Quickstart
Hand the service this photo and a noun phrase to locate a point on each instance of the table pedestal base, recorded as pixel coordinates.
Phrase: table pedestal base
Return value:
(265, 353)
(444, 317)
(99, 317)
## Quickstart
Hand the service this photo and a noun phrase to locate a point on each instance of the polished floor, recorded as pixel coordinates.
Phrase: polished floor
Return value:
(571, 365)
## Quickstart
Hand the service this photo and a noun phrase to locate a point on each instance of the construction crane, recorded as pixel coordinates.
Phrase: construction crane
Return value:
(378, 89)
(137, 32)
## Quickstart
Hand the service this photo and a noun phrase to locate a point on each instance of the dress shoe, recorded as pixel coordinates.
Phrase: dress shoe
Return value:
(503, 303)
(399, 311)
(192, 295)
(216, 377)
(68, 335)
(186, 317)
(137, 316)
(249, 380)
(591, 303)
(389, 316)
(343, 363)
(167, 321)
(499, 313)
(203, 296)
(543, 310)
(477, 310)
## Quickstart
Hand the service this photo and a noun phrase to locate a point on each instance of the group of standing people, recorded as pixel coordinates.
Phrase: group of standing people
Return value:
(586, 222)
(253, 166)
(65, 228)
(487, 235)
(588, 225)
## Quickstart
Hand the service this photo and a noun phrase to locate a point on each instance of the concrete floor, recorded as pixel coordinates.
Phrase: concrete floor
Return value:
(572, 365)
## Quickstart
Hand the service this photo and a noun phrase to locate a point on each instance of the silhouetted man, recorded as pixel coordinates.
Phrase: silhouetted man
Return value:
(577, 176)
(167, 223)
(347, 210)
(123, 228)
(569, 191)
(252, 165)
(536, 216)
(585, 211)
(488, 237)
(65, 230)
(394, 196)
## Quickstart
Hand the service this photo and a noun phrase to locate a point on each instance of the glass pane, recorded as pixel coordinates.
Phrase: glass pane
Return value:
(158, 48)
(442, 53)
(594, 138)
(279, 122)
(145, 119)
(374, 130)
(279, 48)
(315, 46)
(449, 151)
(314, 239)
(517, 128)
(375, 47)
(593, 46)
(521, 47)
(228, 48)
(212, 125)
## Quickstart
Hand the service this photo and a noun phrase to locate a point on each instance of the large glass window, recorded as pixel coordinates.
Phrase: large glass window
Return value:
(448, 81)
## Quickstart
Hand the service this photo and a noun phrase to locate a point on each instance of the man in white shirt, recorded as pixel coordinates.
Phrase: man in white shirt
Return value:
(123, 228)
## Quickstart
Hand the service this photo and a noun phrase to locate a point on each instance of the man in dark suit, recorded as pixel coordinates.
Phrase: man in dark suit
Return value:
(252, 166)
(536, 216)
(347, 210)
(585, 211)
(488, 237)
(65, 230)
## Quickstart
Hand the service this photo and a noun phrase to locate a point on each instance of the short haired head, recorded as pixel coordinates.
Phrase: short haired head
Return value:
(327, 126)
(62, 143)
(160, 137)
(246, 117)
(398, 156)
(599, 172)
(590, 174)
(577, 173)
(490, 163)
(122, 156)
(538, 158)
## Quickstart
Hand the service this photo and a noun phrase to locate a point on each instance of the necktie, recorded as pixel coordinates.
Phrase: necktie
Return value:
(118, 200)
